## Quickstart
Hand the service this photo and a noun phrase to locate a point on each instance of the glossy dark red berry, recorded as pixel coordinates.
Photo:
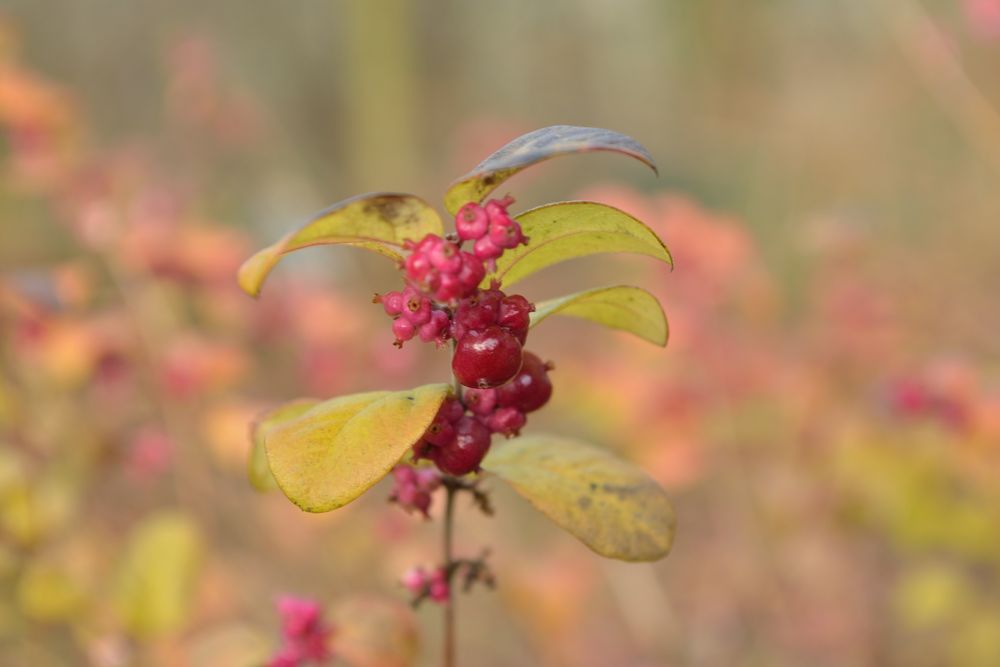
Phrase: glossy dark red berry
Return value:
(486, 359)
(530, 389)
(515, 313)
(465, 452)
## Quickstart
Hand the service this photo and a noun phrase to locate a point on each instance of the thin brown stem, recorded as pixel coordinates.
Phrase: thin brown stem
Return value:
(449, 607)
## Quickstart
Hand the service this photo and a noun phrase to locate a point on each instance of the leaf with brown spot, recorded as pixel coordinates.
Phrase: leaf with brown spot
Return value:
(612, 506)
(380, 222)
(337, 450)
(533, 147)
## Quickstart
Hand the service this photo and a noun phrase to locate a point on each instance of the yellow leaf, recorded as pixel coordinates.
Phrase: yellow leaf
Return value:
(49, 593)
(566, 230)
(613, 507)
(534, 147)
(340, 448)
(257, 469)
(623, 307)
(380, 222)
(156, 581)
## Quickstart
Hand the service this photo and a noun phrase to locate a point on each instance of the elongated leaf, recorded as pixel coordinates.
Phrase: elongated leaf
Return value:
(565, 230)
(611, 506)
(334, 452)
(155, 585)
(624, 307)
(258, 471)
(380, 222)
(534, 147)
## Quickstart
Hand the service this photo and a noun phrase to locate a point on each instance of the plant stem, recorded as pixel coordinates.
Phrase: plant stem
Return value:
(449, 607)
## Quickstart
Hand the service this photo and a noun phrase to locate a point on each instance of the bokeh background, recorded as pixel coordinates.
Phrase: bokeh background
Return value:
(826, 415)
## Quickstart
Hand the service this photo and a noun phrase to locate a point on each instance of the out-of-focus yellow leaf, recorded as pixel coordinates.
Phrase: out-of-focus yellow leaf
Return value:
(534, 147)
(48, 593)
(631, 309)
(257, 469)
(612, 506)
(337, 450)
(156, 581)
(565, 230)
(380, 222)
(930, 596)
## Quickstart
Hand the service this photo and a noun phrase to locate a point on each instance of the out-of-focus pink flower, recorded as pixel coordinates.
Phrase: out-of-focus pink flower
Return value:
(306, 636)
(983, 17)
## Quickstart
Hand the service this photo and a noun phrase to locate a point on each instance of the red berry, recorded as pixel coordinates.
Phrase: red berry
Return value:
(416, 307)
(530, 389)
(440, 432)
(486, 359)
(452, 410)
(507, 421)
(477, 312)
(463, 454)
(437, 328)
(515, 313)
(448, 287)
(471, 222)
(438, 589)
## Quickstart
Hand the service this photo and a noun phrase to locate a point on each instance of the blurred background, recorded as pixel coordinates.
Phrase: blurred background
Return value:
(826, 415)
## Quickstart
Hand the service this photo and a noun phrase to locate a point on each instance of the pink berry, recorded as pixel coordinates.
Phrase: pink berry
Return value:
(428, 479)
(477, 312)
(416, 307)
(392, 302)
(485, 249)
(507, 421)
(437, 328)
(448, 287)
(404, 475)
(418, 264)
(471, 222)
(403, 329)
(480, 401)
(439, 590)
(463, 454)
(530, 389)
(505, 235)
(486, 359)
(415, 580)
(471, 274)
(446, 257)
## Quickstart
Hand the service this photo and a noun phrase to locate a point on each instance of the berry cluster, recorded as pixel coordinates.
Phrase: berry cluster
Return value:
(413, 487)
(306, 636)
(442, 301)
(460, 435)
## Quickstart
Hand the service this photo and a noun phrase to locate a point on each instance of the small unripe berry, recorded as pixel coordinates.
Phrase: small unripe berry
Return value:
(480, 401)
(471, 222)
(452, 410)
(486, 359)
(463, 454)
(471, 274)
(507, 421)
(530, 389)
(403, 329)
(437, 329)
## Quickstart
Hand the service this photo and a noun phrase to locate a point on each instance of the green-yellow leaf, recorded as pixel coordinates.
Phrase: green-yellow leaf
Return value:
(612, 506)
(534, 147)
(258, 471)
(380, 222)
(156, 581)
(565, 230)
(49, 593)
(334, 452)
(631, 309)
